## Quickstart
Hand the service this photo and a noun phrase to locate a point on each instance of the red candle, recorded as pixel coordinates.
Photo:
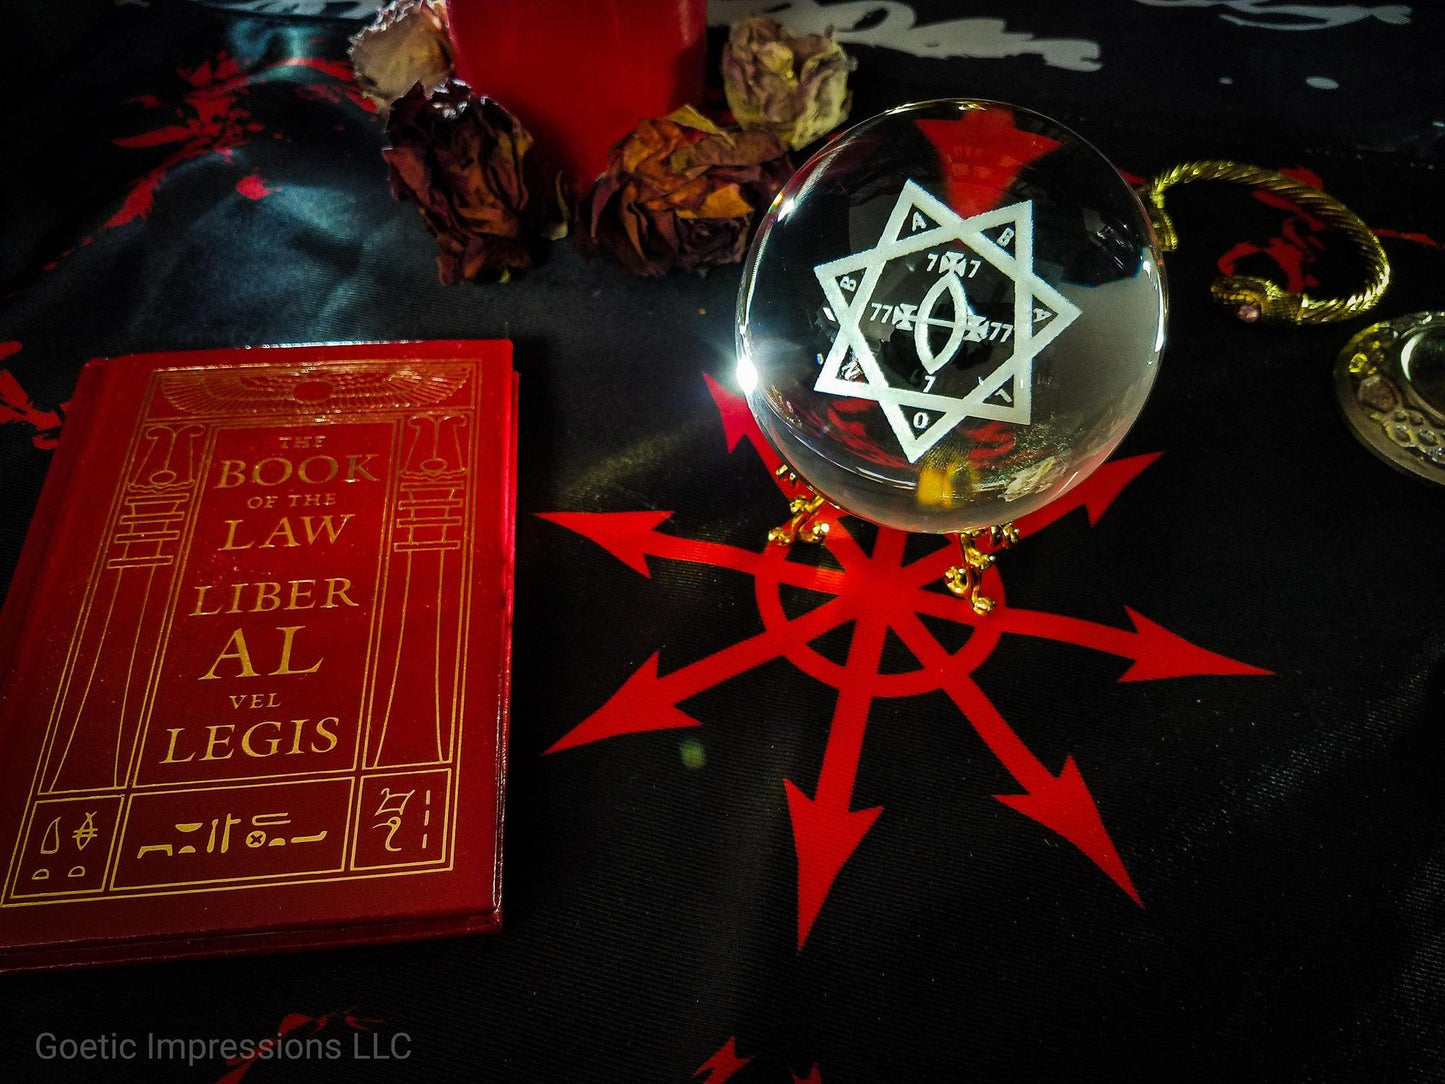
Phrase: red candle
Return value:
(581, 75)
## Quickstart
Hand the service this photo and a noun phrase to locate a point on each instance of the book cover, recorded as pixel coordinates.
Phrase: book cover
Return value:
(254, 659)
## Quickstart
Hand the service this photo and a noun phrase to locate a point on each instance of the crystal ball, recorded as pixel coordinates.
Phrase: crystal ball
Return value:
(951, 315)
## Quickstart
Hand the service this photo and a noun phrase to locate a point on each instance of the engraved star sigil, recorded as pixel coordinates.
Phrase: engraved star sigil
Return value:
(1001, 239)
(880, 591)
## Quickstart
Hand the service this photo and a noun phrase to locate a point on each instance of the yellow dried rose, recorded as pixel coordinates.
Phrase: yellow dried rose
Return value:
(794, 87)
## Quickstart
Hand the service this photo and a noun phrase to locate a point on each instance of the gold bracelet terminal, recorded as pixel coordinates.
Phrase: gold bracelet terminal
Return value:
(1254, 299)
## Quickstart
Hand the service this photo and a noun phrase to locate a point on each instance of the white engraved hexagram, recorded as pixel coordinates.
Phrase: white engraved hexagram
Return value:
(916, 209)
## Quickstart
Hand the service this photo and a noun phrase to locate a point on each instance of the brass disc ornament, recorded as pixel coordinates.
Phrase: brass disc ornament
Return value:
(1390, 382)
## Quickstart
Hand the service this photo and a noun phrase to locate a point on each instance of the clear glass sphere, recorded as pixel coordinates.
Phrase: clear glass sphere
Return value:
(951, 315)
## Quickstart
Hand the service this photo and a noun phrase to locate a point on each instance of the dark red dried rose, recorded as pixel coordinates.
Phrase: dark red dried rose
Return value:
(465, 161)
(681, 192)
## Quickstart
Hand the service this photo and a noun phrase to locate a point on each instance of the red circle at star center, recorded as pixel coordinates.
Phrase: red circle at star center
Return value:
(876, 587)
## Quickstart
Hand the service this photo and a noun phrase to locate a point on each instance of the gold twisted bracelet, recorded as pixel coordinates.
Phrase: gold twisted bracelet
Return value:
(1251, 298)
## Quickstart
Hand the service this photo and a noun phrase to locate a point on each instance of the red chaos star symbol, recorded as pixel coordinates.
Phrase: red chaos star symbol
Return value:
(880, 591)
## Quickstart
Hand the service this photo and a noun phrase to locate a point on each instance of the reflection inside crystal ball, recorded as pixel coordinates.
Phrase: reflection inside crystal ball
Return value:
(1423, 363)
(950, 316)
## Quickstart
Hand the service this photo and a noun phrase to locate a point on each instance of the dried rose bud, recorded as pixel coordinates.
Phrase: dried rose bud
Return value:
(464, 161)
(681, 192)
(794, 87)
(405, 44)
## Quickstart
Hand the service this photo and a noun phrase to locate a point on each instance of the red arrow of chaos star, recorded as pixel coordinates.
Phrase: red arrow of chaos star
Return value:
(880, 591)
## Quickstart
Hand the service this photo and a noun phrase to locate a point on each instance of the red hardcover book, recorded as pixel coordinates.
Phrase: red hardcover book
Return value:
(254, 659)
